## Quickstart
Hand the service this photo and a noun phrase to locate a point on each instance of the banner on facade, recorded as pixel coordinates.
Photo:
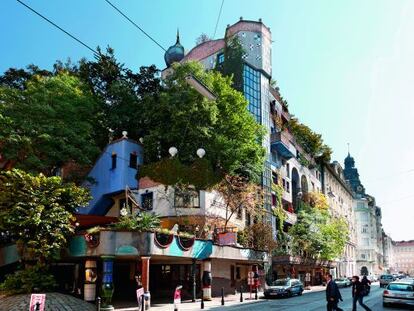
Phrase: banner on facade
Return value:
(37, 302)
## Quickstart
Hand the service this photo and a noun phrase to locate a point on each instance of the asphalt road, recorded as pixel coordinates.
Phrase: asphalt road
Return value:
(317, 302)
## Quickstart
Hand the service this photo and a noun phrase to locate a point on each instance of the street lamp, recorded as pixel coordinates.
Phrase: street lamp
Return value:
(172, 151)
(200, 152)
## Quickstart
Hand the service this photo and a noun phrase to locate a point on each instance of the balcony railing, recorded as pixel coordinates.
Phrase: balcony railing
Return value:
(281, 141)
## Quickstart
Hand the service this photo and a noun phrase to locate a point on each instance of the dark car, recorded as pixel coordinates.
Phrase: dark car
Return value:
(284, 288)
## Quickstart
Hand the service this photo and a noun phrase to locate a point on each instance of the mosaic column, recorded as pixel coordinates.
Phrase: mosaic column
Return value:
(207, 280)
(145, 265)
(107, 283)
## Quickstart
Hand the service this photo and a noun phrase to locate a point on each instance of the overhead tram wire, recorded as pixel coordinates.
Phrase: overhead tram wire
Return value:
(60, 28)
(218, 19)
(133, 23)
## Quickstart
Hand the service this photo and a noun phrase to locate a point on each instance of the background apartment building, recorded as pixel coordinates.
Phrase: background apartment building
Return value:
(404, 257)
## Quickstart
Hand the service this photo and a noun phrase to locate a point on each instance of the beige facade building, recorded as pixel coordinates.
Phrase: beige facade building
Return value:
(340, 201)
(404, 256)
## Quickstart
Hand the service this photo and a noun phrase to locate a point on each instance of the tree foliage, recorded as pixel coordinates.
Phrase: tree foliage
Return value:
(183, 118)
(68, 114)
(317, 235)
(37, 211)
(233, 62)
(258, 236)
(48, 122)
(311, 142)
(237, 194)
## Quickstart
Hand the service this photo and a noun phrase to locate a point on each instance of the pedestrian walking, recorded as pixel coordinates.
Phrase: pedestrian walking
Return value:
(366, 284)
(358, 293)
(333, 295)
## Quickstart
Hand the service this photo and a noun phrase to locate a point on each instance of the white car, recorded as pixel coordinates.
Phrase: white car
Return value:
(399, 292)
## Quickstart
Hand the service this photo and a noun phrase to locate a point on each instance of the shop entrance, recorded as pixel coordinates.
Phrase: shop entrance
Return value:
(165, 277)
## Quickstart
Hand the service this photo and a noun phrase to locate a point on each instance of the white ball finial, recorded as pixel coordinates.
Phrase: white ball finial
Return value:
(173, 151)
(124, 134)
(201, 152)
(141, 140)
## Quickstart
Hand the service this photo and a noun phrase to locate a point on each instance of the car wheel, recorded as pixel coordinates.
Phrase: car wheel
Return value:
(289, 294)
(300, 292)
(385, 304)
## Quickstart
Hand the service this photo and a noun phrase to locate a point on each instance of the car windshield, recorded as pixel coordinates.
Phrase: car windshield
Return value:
(280, 283)
(386, 277)
(339, 280)
(401, 287)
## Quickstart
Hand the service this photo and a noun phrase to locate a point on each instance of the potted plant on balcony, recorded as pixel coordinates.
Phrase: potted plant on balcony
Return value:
(186, 240)
(163, 237)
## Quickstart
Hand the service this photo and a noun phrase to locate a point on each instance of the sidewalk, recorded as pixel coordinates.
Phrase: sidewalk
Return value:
(215, 303)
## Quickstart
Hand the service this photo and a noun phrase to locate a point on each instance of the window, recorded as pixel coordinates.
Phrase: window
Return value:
(220, 58)
(287, 170)
(239, 214)
(248, 219)
(133, 158)
(113, 159)
(147, 200)
(252, 93)
(287, 187)
(275, 178)
(365, 229)
(186, 198)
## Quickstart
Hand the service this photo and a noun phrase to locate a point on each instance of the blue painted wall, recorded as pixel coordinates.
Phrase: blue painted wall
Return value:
(108, 181)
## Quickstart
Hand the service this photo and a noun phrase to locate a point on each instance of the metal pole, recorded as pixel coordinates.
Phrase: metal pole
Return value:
(202, 302)
(222, 296)
(241, 293)
(194, 281)
(98, 304)
(255, 293)
(142, 303)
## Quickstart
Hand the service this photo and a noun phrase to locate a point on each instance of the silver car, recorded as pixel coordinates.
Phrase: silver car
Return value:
(399, 292)
(284, 288)
(386, 279)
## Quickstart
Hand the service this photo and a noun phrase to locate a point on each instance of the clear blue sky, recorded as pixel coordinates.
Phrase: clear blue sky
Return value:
(346, 68)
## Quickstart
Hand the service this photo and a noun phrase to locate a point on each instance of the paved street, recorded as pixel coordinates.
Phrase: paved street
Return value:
(316, 302)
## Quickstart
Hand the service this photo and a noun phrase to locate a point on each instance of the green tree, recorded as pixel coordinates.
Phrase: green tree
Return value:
(47, 123)
(310, 141)
(119, 91)
(233, 62)
(37, 211)
(317, 235)
(183, 118)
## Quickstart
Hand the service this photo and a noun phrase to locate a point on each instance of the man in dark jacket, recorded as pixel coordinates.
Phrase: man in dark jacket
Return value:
(358, 294)
(333, 295)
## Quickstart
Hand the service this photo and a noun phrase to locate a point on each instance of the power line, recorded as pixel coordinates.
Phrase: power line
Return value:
(133, 23)
(58, 27)
(218, 18)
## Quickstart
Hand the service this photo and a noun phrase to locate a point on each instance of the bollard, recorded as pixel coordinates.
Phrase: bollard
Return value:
(241, 293)
(37, 307)
(142, 303)
(222, 296)
(98, 304)
(202, 302)
(255, 293)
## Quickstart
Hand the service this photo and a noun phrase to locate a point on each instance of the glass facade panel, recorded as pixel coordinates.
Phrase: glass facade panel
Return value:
(251, 78)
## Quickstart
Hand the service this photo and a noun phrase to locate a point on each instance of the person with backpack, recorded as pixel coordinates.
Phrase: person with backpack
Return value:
(358, 294)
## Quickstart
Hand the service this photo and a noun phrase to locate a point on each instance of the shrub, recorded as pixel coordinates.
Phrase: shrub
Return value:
(35, 278)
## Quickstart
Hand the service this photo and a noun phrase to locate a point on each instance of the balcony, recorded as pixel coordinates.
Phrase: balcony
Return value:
(281, 142)
(291, 218)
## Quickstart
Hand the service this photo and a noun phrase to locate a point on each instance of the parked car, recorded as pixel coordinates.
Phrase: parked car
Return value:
(372, 278)
(343, 282)
(399, 292)
(386, 279)
(284, 288)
